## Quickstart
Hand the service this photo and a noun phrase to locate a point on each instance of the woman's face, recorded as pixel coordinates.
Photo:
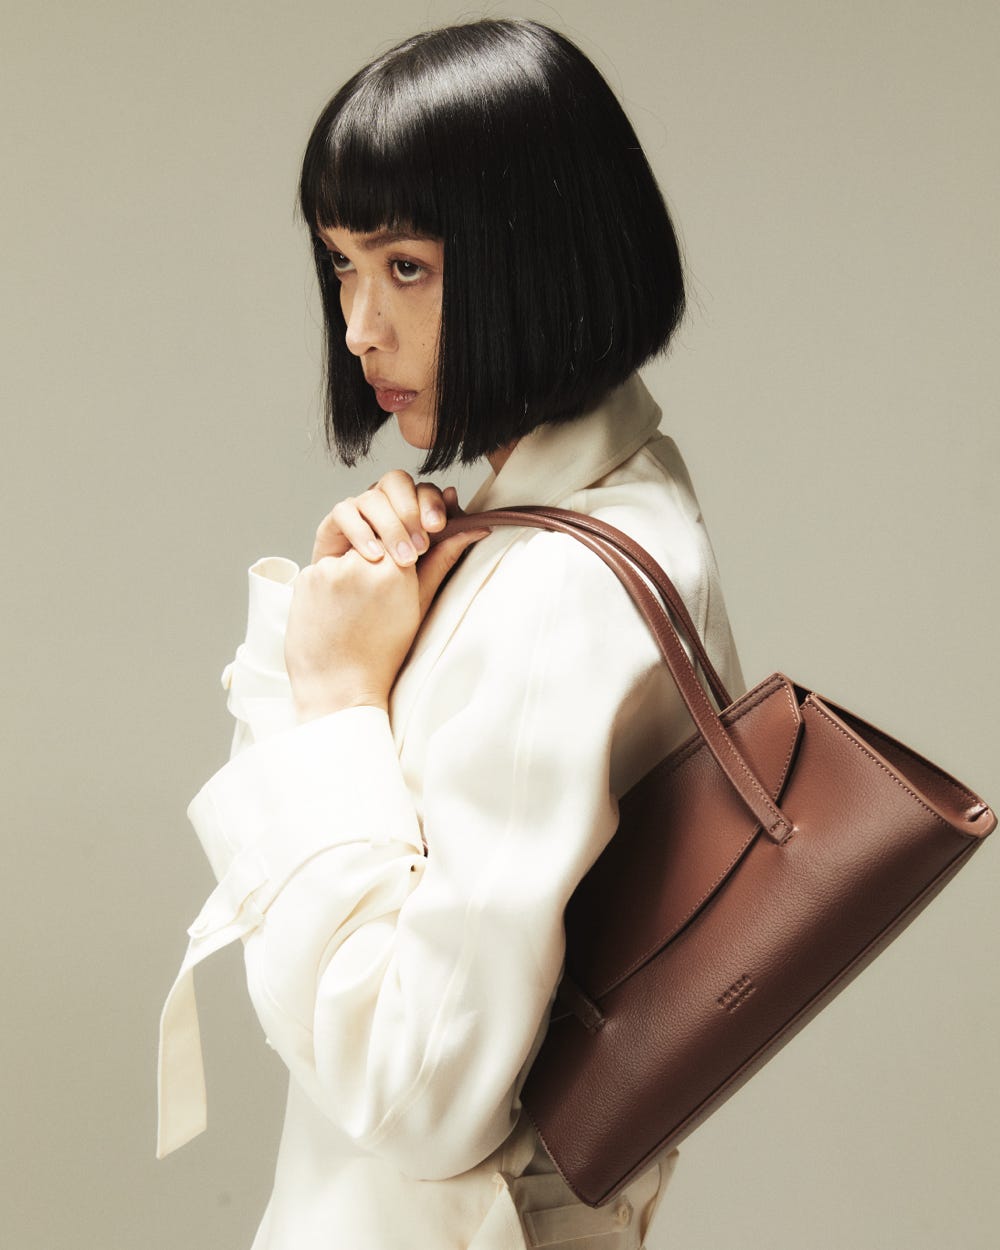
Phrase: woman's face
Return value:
(390, 294)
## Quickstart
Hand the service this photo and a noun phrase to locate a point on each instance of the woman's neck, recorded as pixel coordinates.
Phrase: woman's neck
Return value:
(499, 457)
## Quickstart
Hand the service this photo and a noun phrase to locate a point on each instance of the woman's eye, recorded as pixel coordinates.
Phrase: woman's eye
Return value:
(339, 262)
(407, 271)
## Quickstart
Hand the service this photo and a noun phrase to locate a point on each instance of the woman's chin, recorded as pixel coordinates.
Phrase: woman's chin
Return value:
(416, 430)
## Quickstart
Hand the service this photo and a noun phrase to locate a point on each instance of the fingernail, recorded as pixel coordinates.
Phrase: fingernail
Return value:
(405, 551)
(419, 541)
(433, 516)
(374, 549)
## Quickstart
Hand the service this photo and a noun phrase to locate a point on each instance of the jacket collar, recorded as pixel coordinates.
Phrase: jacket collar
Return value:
(553, 461)
(547, 466)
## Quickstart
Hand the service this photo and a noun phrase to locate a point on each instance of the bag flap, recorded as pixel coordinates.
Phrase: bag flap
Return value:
(681, 831)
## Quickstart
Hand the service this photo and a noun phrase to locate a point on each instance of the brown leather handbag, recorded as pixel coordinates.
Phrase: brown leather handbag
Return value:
(755, 871)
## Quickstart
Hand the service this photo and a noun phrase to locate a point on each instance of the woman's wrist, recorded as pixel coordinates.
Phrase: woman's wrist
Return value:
(310, 705)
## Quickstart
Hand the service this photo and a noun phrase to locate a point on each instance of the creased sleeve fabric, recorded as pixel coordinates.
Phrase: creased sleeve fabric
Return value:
(260, 697)
(401, 903)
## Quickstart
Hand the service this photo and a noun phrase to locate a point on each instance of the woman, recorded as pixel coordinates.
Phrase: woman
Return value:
(422, 772)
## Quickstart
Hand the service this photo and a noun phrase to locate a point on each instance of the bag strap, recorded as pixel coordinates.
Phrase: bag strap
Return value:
(611, 545)
(661, 583)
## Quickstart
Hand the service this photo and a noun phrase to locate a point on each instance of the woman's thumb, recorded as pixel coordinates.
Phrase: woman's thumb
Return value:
(452, 506)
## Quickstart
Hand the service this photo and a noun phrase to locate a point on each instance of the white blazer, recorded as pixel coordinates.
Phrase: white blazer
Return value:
(399, 880)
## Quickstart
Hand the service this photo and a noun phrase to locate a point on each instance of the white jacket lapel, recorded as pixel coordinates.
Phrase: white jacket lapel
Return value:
(546, 467)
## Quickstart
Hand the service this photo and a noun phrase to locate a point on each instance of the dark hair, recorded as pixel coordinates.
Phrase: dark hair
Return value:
(562, 273)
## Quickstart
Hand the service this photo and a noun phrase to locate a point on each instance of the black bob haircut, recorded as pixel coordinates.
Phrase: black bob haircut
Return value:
(562, 273)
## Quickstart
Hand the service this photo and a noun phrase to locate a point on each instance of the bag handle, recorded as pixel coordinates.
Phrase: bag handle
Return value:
(661, 583)
(611, 544)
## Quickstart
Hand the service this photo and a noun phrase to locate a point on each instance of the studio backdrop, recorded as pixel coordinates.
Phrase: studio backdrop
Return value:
(832, 170)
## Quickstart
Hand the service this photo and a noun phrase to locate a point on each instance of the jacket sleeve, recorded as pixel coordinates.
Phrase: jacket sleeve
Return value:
(406, 991)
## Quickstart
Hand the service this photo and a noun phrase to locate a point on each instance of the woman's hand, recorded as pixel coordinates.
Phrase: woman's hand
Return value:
(395, 515)
(353, 616)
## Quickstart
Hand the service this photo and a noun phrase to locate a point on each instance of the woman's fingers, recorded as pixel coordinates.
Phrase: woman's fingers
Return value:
(330, 538)
(394, 515)
(343, 528)
(433, 508)
(409, 503)
(395, 524)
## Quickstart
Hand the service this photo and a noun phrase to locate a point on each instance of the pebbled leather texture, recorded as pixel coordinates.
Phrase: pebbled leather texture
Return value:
(754, 873)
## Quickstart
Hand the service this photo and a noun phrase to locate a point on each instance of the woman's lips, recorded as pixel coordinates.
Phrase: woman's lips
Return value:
(392, 399)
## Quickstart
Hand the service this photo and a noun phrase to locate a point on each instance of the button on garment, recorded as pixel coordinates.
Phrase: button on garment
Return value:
(406, 993)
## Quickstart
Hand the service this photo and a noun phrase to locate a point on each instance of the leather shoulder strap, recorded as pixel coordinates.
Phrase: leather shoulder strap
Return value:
(611, 548)
(660, 580)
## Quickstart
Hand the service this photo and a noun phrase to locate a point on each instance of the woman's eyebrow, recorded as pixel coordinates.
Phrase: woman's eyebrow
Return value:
(385, 238)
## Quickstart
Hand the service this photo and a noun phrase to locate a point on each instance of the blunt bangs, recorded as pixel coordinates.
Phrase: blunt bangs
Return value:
(367, 163)
(562, 273)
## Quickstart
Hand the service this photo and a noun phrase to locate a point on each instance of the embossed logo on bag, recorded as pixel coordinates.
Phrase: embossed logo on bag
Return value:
(737, 994)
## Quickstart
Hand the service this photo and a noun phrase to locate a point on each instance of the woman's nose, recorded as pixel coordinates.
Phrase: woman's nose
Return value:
(368, 322)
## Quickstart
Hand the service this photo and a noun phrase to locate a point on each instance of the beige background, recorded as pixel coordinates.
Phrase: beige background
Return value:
(833, 169)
